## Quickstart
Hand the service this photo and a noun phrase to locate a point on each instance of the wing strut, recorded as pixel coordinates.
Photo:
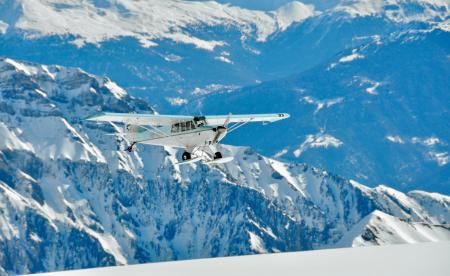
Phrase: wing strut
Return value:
(155, 130)
(238, 125)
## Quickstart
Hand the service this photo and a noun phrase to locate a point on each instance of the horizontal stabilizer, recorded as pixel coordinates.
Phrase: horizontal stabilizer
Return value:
(221, 160)
(190, 161)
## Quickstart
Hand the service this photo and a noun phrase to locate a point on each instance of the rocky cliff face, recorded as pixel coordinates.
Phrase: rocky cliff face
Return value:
(69, 198)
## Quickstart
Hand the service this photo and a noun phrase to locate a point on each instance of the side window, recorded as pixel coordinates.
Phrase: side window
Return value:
(190, 125)
(176, 127)
(183, 126)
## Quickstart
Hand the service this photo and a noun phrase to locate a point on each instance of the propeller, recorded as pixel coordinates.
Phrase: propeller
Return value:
(221, 129)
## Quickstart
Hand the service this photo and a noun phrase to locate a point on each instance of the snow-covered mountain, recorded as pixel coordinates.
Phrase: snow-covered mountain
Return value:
(347, 26)
(69, 198)
(338, 69)
(164, 48)
(377, 112)
(379, 228)
(147, 21)
(173, 50)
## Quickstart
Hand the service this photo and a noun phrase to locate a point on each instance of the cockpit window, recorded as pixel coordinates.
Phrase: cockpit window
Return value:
(200, 121)
(183, 126)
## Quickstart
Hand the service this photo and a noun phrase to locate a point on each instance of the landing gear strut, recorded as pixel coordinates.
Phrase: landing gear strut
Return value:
(131, 147)
(217, 155)
(186, 156)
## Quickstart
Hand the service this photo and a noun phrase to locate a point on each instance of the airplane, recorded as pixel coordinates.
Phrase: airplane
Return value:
(195, 134)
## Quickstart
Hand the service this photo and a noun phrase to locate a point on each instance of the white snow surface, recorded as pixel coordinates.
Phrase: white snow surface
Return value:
(400, 260)
(3, 27)
(149, 21)
(369, 86)
(395, 139)
(320, 140)
(391, 230)
(441, 158)
(293, 12)
(177, 101)
(354, 55)
(320, 104)
(433, 204)
(402, 11)
(435, 148)
(256, 243)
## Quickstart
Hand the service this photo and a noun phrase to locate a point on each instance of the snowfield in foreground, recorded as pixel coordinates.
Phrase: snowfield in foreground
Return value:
(69, 198)
(400, 260)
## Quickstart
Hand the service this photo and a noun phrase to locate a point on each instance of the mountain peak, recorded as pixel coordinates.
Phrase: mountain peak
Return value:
(379, 228)
(76, 83)
(293, 12)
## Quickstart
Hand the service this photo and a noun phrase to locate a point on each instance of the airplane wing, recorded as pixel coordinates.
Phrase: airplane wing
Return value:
(138, 119)
(154, 119)
(217, 120)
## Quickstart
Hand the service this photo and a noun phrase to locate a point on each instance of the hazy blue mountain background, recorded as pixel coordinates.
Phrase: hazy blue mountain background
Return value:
(391, 98)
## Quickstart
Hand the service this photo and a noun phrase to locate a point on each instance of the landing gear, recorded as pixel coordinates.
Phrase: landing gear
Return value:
(217, 155)
(186, 156)
(132, 147)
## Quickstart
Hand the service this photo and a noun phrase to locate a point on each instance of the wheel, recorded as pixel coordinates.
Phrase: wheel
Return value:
(217, 155)
(186, 156)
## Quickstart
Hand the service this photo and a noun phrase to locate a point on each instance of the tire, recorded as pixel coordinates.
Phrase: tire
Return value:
(217, 155)
(186, 156)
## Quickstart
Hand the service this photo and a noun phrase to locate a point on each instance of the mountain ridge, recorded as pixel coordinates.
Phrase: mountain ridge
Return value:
(381, 99)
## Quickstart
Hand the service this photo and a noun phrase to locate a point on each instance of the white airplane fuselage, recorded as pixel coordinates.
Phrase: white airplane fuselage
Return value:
(189, 139)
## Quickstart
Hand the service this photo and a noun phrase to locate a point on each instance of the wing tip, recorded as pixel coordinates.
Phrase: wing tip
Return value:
(282, 116)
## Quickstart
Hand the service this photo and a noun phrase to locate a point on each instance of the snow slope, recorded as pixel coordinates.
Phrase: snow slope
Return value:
(70, 198)
(293, 12)
(429, 258)
(379, 228)
(402, 11)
